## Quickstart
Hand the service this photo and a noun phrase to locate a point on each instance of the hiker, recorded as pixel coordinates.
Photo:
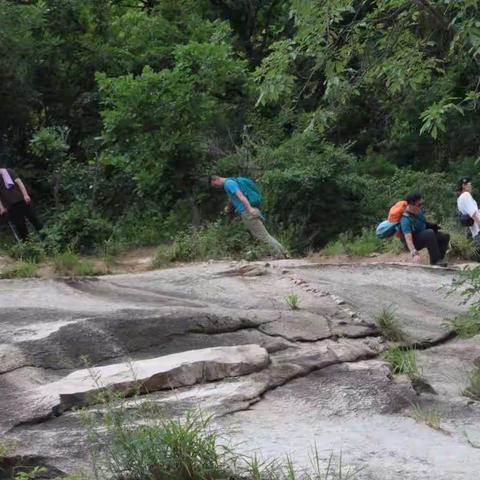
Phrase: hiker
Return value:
(15, 204)
(468, 208)
(418, 234)
(240, 192)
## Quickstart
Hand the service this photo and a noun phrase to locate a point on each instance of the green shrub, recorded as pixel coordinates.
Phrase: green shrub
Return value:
(69, 264)
(32, 250)
(365, 244)
(403, 361)
(77, 228)
(20, 270)
(334, 248)
(164, 254)
(140, 229)
(462, 247)
(215, 240)
(361, 245)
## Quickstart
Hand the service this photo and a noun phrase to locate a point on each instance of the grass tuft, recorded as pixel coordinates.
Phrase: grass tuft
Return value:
(362, 245)
(403, 361)
(20, 270)
(389, 326)
(141, 440)
(164, 255)
(462, 247)
(467, 324)
(473, 388)
(69, 264)
(292, 301)
(431, 417)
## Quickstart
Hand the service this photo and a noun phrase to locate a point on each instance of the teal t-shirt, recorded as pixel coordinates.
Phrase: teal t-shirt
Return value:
(413, 223)
(231, 187)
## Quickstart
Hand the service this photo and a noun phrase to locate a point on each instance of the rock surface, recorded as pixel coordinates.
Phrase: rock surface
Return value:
(145, 376)
(222, 338)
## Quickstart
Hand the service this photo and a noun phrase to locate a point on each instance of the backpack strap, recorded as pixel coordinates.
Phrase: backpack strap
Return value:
(410, 219)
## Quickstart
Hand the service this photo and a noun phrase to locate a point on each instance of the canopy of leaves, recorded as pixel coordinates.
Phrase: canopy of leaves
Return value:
(337, 107)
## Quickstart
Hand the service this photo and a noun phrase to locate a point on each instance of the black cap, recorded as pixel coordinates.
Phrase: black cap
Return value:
(463, 181)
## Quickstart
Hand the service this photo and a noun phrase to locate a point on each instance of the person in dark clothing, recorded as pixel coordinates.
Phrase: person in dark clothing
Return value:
(15, 203)
(417, 233)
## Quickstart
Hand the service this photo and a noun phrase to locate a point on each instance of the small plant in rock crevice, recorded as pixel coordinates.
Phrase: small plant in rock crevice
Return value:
(467, 283)
(465, 325)
(403, 361)
(292, 301)
(431, 417)
(473, 388)
(389, 326)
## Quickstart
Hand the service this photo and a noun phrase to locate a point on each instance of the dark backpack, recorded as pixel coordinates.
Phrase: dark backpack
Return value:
(250, 189)
(465, 220)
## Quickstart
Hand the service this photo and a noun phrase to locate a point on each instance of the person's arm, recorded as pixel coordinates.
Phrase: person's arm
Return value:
(411, 247)
(22, 188)
(245, 201)
(476, 218)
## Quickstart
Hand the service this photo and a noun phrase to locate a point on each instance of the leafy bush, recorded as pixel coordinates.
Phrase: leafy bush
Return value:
(69, 264)
(163, 256)
(77, 228)
(365, 244)
(31, 250)
(361, 245)
(334, 248)
(214, 240)
(463, 247)
(20, 270)
(384, 192)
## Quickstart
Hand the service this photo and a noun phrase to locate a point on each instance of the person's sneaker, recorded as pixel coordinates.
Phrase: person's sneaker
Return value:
(441, 263)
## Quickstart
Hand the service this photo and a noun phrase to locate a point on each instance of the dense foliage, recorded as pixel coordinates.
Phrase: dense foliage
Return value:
(115, 112)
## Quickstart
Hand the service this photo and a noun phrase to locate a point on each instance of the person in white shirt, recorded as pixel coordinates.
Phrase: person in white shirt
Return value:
(468, 206)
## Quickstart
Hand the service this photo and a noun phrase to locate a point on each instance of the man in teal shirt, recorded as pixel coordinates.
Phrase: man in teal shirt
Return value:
(251, 216)
(417, 233)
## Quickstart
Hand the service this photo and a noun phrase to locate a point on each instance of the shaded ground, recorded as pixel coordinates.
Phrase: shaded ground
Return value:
(323, 383)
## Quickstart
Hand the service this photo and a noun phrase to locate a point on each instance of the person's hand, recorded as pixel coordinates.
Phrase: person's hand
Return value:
(27, 199)
(3, 211)
(416, 258)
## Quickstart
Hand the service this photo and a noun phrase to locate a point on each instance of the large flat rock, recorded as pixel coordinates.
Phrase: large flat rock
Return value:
(356, 411)
(418, 296)
(88, 386)
(319, 382)
(447, 367)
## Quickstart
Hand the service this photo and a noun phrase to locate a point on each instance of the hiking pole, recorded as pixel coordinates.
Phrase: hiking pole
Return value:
(12, 228)
(14, 231)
